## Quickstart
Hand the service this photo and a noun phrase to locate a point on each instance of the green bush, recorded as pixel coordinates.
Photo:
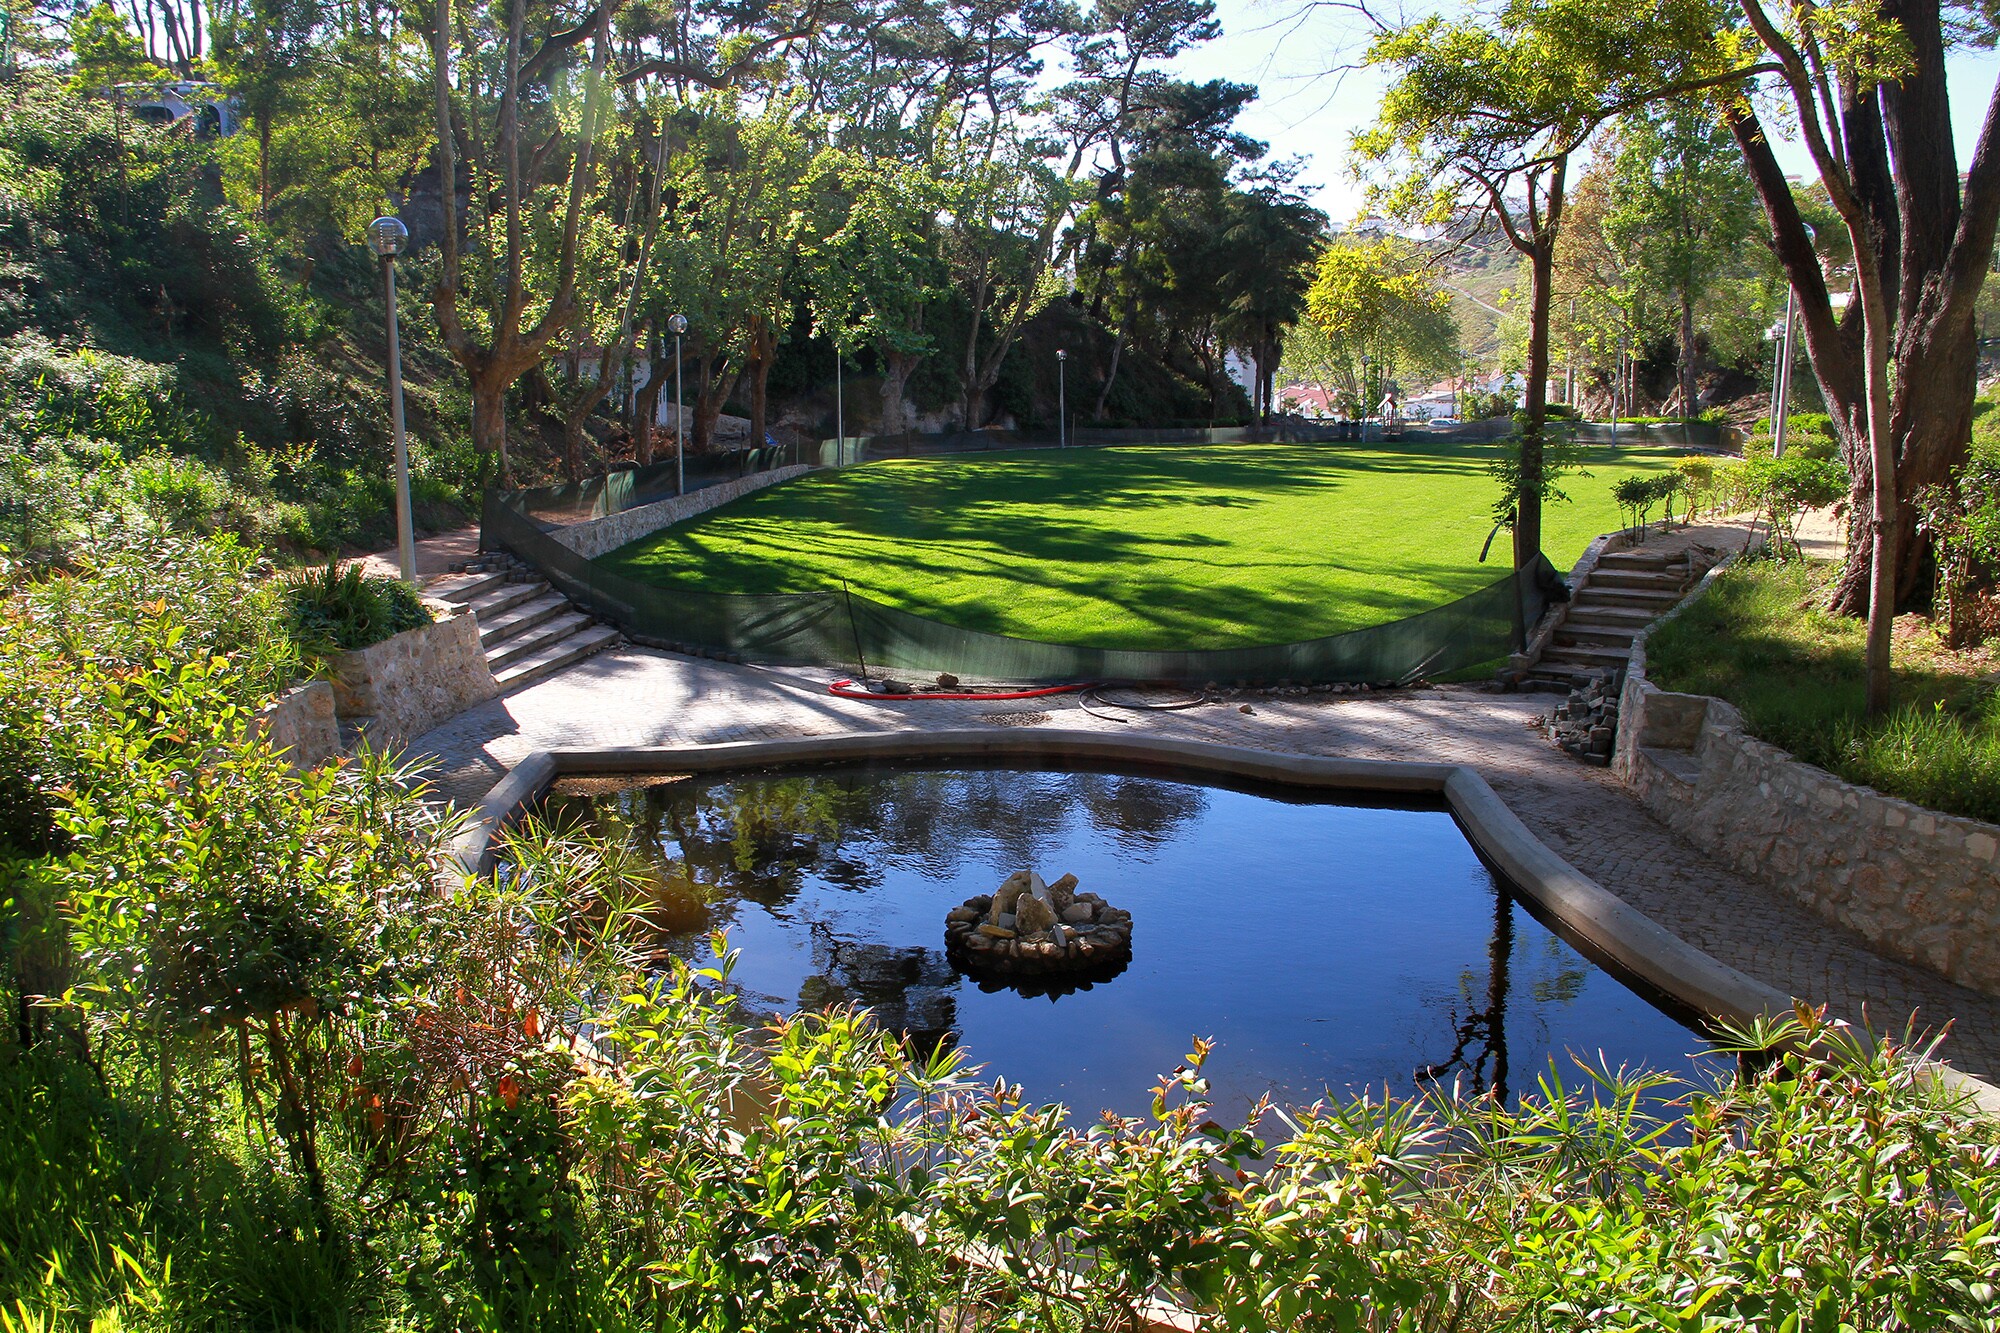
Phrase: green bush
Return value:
(341, 608)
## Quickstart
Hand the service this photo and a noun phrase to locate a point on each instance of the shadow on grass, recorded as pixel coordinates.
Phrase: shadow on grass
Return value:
(1089, 536)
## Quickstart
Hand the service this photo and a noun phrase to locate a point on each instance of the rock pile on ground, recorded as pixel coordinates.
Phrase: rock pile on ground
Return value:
(1027, 928)
(1586, 724)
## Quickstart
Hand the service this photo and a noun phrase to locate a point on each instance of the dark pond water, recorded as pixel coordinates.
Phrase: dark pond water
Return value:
(1325, 946)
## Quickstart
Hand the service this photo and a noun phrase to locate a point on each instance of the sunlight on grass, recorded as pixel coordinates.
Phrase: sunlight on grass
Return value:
(1144, 547)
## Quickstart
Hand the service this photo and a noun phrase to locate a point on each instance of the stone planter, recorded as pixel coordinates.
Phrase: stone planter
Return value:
(1916, 884)
(398, 689)
(300, 725)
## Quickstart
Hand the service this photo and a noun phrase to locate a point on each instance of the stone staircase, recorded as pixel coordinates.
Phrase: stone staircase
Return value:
(529, 630)
(1626, 592)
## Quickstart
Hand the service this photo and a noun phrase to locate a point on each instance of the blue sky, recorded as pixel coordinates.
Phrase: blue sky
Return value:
(1287, 47)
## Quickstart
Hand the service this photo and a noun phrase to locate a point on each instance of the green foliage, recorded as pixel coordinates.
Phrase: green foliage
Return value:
(136, 600)
(1962, 520)
(341, 607)
(1786, 487)
(1378, 300)
(1561, 456)
(1636, 496)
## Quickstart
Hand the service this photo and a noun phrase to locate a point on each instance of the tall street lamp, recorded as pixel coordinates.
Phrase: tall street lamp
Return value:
(679, 325)
(1367, 396)
(388, 237)
(839, 407)
(1062, 399)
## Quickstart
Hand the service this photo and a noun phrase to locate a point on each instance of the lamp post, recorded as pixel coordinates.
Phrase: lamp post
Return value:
(388, 237)
(839, 406)
(679, 325)
(1062, 399)
(1367, 361)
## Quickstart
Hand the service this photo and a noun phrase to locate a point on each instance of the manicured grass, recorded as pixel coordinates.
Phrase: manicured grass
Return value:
(1145, 547)
(1759, 640)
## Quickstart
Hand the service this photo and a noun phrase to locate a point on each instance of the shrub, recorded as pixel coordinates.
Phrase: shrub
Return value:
(1963, 522)
(340, 608)
(1786, 487)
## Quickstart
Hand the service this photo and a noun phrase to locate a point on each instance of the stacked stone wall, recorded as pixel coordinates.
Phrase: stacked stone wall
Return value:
(400, 688)
(1916, 884)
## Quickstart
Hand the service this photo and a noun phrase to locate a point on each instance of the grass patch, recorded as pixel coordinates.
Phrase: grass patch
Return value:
(1146, 547)
(1759, 640)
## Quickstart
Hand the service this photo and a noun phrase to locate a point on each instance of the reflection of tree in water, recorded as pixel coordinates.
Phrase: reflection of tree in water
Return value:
(1480, 1047)
(762, 839)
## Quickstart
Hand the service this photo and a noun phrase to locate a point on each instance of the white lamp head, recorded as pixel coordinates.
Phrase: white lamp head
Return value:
(388, 237)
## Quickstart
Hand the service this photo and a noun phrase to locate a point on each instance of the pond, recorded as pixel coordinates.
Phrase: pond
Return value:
(1327, 946)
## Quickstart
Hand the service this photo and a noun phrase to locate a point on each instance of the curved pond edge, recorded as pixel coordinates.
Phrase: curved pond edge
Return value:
(1623, 934)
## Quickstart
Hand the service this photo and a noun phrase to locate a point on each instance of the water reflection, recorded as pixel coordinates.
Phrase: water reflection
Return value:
(1326, 946)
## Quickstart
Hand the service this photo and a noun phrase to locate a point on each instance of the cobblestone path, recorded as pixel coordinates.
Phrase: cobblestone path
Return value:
(635, 696)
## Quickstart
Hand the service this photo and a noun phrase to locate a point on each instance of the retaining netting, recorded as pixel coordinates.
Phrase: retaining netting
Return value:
(837, 628)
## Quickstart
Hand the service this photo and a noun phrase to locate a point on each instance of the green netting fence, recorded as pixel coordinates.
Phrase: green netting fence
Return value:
(836, 628)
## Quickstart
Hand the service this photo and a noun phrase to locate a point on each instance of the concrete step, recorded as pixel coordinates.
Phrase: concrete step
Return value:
(555, 656)
(1582, 657)
(462, 588)
(531, 641)
(503, 598)
(1632, 560)
(1570, 633)
(523, 616)
(1631, 598)
(1635, 578)
(1583, 611)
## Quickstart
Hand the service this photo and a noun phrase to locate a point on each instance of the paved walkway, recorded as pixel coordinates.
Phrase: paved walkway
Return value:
(638, 696)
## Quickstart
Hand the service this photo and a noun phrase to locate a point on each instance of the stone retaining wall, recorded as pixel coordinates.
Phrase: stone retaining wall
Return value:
(400, 688)
(603, 535)
(300, 724)
(1915, 884)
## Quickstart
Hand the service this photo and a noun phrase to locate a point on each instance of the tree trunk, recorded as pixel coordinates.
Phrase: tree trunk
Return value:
(1535, 396)
(1111, 376)
(263, 165)
(646, 411)
(1687, 354)
(897, 367)
(1882, 456)
(763, 350)
(489, 418)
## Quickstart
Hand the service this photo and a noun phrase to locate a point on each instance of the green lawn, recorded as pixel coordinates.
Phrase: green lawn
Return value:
(1140, 547)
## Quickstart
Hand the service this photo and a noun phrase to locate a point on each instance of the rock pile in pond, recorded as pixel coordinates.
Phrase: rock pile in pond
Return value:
(1030, 929)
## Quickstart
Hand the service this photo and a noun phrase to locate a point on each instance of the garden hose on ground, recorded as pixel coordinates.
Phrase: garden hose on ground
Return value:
(1095, 694)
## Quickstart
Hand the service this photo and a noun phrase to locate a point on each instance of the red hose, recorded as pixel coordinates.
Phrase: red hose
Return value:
(846, 690)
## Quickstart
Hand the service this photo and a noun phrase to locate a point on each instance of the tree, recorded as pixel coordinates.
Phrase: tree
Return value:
(1271, 233)
(1492, 109)
(737, 194)
(1898, 369)
(1377, 299)
(1680, 217)
(515, 189)
(877, 271)
(106, 52)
